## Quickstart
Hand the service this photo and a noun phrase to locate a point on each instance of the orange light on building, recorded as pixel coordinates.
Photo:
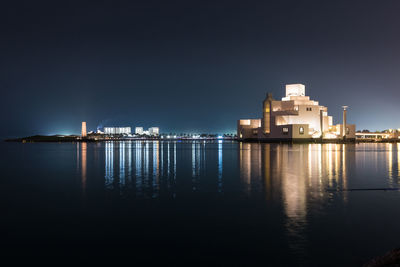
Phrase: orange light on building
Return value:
(84, 132)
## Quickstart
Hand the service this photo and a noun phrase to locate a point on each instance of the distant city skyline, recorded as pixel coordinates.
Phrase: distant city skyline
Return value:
(193, 66)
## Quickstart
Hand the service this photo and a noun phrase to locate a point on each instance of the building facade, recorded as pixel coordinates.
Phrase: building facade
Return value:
(296, 116)
(139, 130)
(154, 131)
(117, 130)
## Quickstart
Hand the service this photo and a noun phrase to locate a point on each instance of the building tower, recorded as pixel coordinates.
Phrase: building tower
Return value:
(344, 130)
(266, 120)
(83, 133)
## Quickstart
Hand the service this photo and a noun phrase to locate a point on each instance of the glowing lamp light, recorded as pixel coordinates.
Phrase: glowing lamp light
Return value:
(316, 135)
(330, 136)
(244, 122)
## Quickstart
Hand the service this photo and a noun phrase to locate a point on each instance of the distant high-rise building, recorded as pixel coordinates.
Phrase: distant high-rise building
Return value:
(117, 130)
(139, 130)
(84, 132)
(154, 130)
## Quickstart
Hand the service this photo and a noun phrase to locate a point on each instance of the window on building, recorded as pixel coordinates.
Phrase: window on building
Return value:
(308, 109)
(347, 130)
(244, 122)
(285, 130)
(301, 130)
(255, 131)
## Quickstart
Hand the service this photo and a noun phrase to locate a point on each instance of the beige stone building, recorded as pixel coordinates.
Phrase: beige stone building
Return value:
(295, 117)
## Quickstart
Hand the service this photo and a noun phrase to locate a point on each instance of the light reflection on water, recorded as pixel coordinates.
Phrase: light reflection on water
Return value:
(398, 160)
(83, 165)
(272, 202)
(219, 166)
(142, 167)
(302, 178)
(299, 171)
(298, 176)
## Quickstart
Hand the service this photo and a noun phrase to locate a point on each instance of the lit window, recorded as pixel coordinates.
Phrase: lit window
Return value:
(285, 130)
(301, 130)
(244, 122)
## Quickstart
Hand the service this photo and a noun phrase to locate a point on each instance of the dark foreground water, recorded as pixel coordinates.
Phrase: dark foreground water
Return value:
(171, 202)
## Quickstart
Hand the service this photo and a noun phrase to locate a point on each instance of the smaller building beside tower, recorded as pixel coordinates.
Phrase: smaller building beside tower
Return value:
(139, 130)
(119, 133)
(117, 130)
(154, 131)
(295, 117)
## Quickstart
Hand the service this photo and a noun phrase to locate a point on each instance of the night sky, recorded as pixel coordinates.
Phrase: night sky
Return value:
(193, 66)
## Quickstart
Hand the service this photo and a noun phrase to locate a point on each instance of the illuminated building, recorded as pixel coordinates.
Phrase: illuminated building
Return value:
(296, 116)
(376, 136)
(154, 131)
(83, 132)
(139, 130)
(117, 130)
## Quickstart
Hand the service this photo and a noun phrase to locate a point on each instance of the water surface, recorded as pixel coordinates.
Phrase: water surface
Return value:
(215, 202)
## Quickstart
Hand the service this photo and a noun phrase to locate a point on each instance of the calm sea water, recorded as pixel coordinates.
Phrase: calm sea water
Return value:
(218, 202)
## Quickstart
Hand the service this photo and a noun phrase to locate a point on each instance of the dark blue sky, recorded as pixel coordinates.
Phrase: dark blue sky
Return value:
(193, 65)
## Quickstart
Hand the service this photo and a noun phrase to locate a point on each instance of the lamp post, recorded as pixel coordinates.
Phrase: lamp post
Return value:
(344, 121)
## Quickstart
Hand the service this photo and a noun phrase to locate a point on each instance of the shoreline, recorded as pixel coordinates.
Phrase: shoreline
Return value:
(72, 139)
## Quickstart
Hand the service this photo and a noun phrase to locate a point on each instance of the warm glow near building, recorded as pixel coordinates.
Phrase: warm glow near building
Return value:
(296, 116)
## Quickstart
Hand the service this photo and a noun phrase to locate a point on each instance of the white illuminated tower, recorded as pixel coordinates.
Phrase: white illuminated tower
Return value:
(84, 132)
